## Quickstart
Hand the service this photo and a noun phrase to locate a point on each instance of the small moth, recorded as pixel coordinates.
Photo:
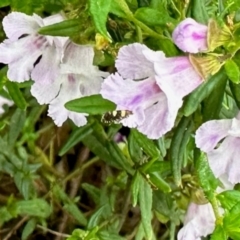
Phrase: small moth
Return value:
(115, 116)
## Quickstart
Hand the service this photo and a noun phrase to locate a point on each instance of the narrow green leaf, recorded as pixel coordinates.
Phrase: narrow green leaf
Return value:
(178, 143)
(199, 11)
(99, 11)
(94, 104)
(16, 124)
(28, 228)
(65, 28)
(16, 95)
(97, 217)
(235, 89)
(232, 71)
(134, 148)
(153, 17)
(207, 180)
(145, 202)
(135, 188)
(159, 182)
(118, 156)
(93, 191)
(75, 137)
(76, 213)
(213, 103)
(193, 100)
(148, 146)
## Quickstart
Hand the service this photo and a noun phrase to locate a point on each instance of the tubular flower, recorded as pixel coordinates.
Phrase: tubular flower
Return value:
(156, 96)
(24, 46)
(200, 219)
(223, 157)
(74, 78)
(190, 36)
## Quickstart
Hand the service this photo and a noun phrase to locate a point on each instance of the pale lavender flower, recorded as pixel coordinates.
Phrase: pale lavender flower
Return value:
(223, 157)
(74, 78)
(190, 36)
(155, 98)
(200, 219)
(25, 46)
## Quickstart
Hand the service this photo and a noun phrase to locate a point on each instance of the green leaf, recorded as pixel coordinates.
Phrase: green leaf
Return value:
(178, 144)
(146, 144)
(193, 100)
(94, 104)
(232, 71)
(28, 228)
(145, 202)
(16, 95)
(153, 17)
(213, 103)
(93, 191)
(235, 89)
(4, 3)
(229, 198)
(134, 148)
(75, 212)
(99, 11)
(36, 207)
(219, 233)
(65, 28)
(118, 156)
(234, 235)
(156, 179)
(97, 217)
(231, 221)
(75, 137)
(199, 11)
(135, 187)
(16, 124)
(207, 180)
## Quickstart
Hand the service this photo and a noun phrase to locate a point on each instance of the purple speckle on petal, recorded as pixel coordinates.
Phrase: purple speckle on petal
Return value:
(136, 100)
(197, 36)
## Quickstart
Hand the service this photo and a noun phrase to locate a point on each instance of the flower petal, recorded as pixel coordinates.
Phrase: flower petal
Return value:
(160, 117)
(78, 59)
(21, 56)
(46, 92)
(225, 159)
(48, 68)
(131, 62)
(176, 76)
(199, 221)
(69, 90)
(131, 95)
(190, 36)
(16, 24)
(210, 133)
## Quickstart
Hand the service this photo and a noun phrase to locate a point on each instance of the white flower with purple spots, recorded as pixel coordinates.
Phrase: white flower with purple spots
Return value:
(24, 46)
(190, 36)
(223, 157)
(151, 86)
